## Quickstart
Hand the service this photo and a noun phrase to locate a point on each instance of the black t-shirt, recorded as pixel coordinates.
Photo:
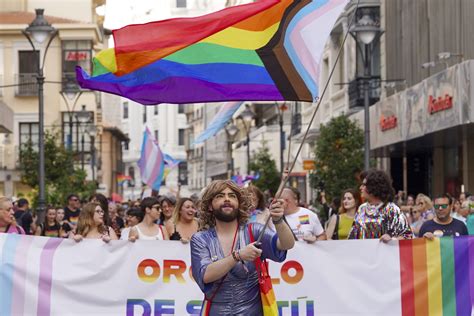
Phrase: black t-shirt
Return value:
(455, 228)
(24, 219)
(71, 216)
(51, 231)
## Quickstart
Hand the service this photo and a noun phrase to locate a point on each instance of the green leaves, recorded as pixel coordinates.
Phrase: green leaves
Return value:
(339, 156)
(61, 176)
(263, 163)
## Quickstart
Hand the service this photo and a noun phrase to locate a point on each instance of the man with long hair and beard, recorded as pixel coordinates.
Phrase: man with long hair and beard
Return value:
(222, 254)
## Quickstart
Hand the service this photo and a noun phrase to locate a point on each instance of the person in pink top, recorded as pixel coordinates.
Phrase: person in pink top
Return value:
(7, 220)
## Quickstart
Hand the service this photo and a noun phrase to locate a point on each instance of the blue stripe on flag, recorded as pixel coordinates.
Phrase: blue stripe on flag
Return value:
(7, 267)
(219, 121)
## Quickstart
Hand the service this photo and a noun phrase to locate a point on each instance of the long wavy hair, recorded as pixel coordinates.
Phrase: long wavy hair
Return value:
(207, 219)
(86, 220)
(177, 210)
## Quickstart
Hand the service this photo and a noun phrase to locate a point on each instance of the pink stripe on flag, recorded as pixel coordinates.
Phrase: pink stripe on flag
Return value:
(46, 276)
(19, 275)
(157, 166)
(297, 40)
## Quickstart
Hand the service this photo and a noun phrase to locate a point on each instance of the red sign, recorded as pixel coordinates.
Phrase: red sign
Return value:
(77, 56)
(440, 103)
(388, 122)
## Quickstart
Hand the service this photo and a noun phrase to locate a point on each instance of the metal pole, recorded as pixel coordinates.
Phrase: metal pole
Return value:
(41, 173)
(248, 150)
(82, 151)
(366, 109)
(70, 132)
(282, 142)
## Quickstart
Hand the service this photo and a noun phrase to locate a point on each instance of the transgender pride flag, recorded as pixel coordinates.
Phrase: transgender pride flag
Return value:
(151, 162)
(219, 121)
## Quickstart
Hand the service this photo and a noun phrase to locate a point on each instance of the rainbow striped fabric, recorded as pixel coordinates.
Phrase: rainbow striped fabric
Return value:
(437, 277)
(268, 50)
(121, 178)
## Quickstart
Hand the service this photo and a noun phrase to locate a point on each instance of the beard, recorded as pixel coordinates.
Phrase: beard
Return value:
(219, 214)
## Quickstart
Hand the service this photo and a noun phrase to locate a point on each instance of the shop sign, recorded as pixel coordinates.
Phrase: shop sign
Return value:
(77, 55)
(388, 122)
(308, 165)
(439, 104)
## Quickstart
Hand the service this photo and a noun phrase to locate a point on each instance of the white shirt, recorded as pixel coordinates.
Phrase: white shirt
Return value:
(304, 222)
(125, 233)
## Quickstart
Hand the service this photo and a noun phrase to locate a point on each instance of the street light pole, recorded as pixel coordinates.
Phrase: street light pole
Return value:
(366, 108)
(83, 117)
(39, 30)
(231, 130)
(247, 116)
(365, 31)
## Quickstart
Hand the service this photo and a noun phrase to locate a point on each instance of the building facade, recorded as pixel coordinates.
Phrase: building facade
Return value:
(425, 132)
(80, 36)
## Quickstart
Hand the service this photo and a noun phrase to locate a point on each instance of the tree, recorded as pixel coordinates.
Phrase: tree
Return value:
(339, 156)
(263, 163)
(61, 179)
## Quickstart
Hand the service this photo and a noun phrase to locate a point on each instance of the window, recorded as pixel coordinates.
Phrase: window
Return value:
(181, 108)
(131, 173)
(156, 135)
(183, 173)
(125, 110)
(72, 132)
(125, 143)
(29, 65)
(75, 53)
(155, 110)
(29, 132)
(181, 3)
(144, 114)
(181, 137)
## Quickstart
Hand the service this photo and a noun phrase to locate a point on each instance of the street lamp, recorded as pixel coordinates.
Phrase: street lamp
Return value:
(70, 97)
(40, 30)
(83, 117)
(231, 131)
(247, 116)
(365, 31)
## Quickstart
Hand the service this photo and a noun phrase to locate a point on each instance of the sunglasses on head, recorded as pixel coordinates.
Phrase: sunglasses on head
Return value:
(443, 206)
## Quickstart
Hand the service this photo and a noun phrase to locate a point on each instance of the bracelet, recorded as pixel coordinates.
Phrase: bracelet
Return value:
(234, 255)
(278, 221)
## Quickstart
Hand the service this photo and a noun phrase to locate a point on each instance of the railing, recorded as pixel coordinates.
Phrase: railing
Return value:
(26, 84)
(356, 92)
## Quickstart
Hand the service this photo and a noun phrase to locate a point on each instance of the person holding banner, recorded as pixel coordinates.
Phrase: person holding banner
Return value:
(222, 253)
(91, 224)
(378, 217)
(148, 229)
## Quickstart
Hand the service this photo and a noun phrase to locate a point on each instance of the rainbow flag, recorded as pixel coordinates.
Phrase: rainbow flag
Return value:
(303, 219)
(437, 277)
(269, 50)
(121, 178)
(151, 162)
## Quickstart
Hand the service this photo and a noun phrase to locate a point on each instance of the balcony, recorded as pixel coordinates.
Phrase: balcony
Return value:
(26, 85)
(69, 83)
(356, 92)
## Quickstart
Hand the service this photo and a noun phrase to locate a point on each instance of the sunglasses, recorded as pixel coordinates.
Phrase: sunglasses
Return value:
(443, 206)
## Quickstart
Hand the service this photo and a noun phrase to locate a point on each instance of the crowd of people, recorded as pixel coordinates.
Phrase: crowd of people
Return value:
(371, 211)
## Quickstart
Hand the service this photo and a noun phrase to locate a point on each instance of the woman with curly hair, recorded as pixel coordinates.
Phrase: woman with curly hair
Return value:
(91, 224)
(378, 217)
(340, 224)
(222, 254)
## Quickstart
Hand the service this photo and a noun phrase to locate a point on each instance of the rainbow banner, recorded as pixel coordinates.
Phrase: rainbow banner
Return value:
(269, 50)
(437, 276)
(121, 178)
(53, 276)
